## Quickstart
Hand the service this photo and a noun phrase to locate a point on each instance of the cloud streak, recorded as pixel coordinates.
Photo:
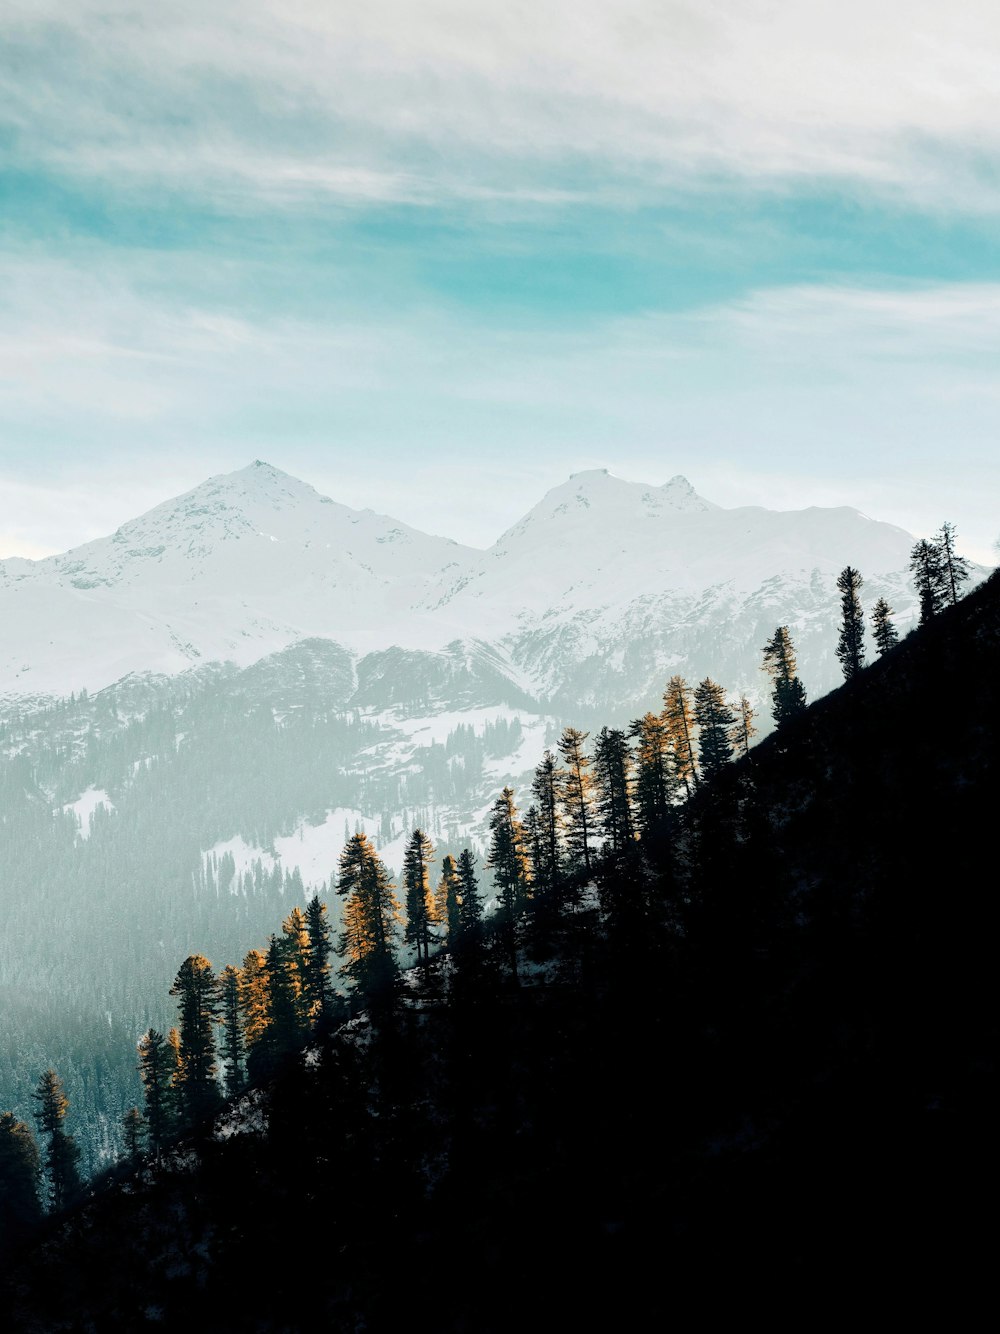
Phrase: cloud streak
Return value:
(385, 100)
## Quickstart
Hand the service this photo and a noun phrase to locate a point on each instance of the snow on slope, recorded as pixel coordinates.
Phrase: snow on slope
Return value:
(249, 563)
(240, 567)
(596, 543)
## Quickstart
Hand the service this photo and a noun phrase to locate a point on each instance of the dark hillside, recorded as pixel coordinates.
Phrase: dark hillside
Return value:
(762, 1073)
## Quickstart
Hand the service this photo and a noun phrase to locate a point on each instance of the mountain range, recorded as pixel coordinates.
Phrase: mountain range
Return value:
(599, 591)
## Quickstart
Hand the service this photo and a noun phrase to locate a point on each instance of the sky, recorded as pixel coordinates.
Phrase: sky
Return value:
(433, 256)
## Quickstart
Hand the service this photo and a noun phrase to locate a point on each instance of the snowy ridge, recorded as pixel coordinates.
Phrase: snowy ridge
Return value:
(252, 562)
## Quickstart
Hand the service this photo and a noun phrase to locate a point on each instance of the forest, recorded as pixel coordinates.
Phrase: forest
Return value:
(715, 988)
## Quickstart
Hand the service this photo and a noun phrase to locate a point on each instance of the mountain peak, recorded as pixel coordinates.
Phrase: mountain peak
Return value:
(681, 495)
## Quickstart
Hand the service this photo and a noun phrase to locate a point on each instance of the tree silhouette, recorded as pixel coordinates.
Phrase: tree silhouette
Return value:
(851, 643)
(789, 696)
(883, 631)
(577, 785)
(371, 914)
(714, 719)
(61, 1153)
(197, 990)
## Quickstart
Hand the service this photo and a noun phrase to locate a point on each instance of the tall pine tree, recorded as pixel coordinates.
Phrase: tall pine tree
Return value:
(612, 775)
(653, 783)
(678, 720)
(851, 642)
(546, 787)
(371, 914)
(61, 1152)
(883, 631)
(509, 862)
(929, 577)
(231, 1017)
(714, 720)
(789, 696)
(318, 979)
(421, 910)
(197, 990)
(955, 569)
(576, 794)
(158, 1072)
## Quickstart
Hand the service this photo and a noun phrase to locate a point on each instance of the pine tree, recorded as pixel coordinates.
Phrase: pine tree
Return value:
(714, 720)
(371, 914)
(851, 643)
(20, 1169)
(930, 578)
(449, 896)
(546, 787)
(612, 773)
(253, 1000)
(743, 728)
(883, 630)
(197, 990)
(421, 910)
(157, 1070)
(231, 1016)
(318, 979)
(284, 1029)
(955, 569)
(295, 944)
(653, 779)
(789, 697)
(678, 721)
(470, 901)
(576, 793)
(509, 863)
(132, 1126)
(61, 1154)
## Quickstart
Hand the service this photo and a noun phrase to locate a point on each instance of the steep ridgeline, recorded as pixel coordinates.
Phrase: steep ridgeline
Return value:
(755, 1069)
(601, 591)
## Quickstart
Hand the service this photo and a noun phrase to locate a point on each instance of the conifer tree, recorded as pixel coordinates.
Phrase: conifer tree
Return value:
(421, 910)
(714, 720)
(197, 990)
(253, 1000)
(295, 945)
(576, 794)
(678, 720)
(231, 1017)
(371, 914)
(929, 577)
(318, 979)
(546, 787)
(509, 863)
(955, 569)
(157, 1070)
(653, 779)
(132, 1133)
(883, 630)
(612, 772)
(449, 896)
(284, 1029)
(851, 643)
(789, 696)
(743, 729)
(20, 1169)
(470, 902)
(61, 1153)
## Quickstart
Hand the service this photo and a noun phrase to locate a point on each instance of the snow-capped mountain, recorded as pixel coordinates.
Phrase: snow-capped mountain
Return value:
(601, 588)
(240, 567)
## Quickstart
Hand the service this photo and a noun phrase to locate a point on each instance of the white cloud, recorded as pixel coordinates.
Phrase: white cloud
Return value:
(379, 99)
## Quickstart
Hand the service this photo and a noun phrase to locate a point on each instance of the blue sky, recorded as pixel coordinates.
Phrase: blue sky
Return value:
(434, 257)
